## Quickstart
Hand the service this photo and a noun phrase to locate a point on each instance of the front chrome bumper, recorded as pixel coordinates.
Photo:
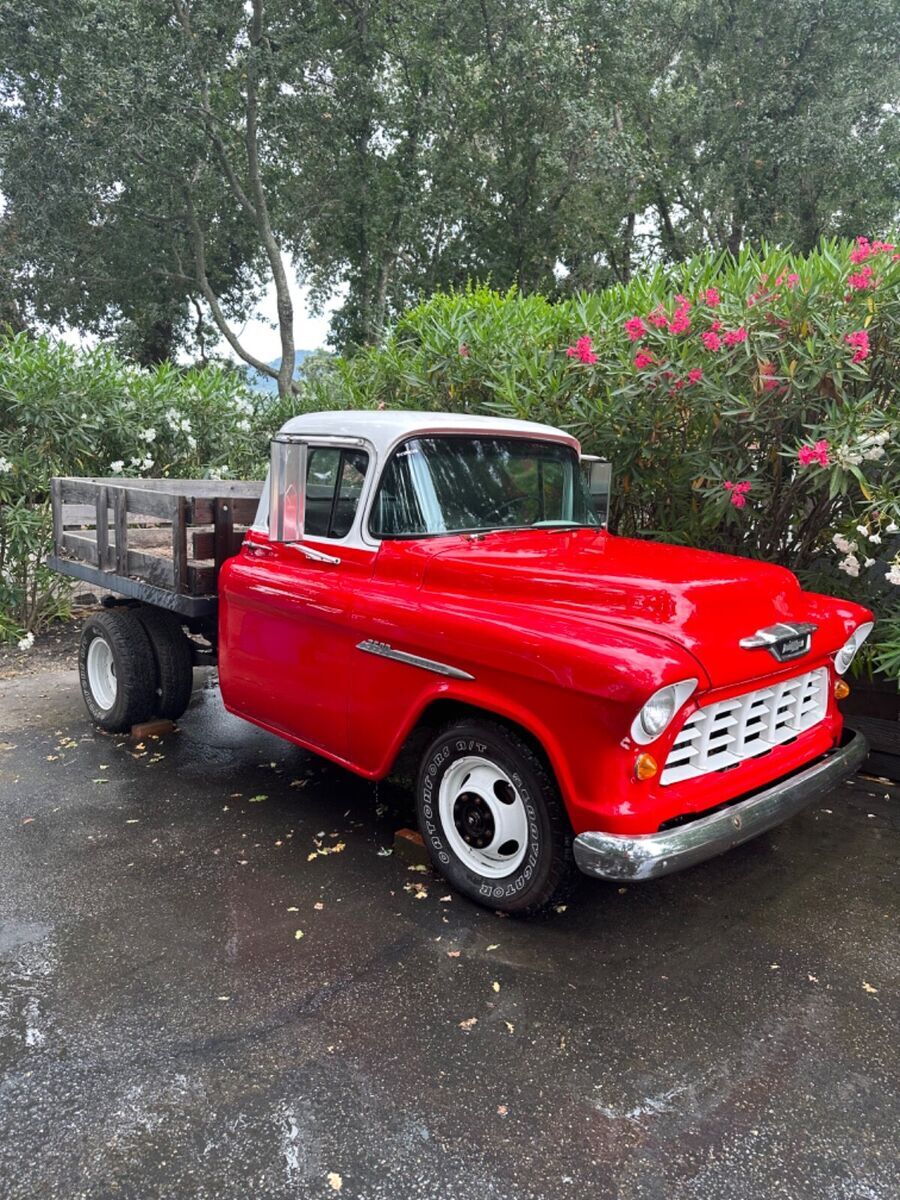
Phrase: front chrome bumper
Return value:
(648, 855)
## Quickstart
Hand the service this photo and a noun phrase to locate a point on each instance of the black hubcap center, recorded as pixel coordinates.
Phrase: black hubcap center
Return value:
(474, 820)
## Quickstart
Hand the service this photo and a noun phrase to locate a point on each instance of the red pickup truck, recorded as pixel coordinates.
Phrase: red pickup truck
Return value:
(443, 586)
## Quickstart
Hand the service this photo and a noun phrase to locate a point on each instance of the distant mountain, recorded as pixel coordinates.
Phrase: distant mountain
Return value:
(264, 383)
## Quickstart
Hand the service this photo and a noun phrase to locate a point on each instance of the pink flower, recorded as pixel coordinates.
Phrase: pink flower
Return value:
(464, 350)
(860, 340)
(734, 336)
(793, 280)
(712, 297)
(643, 359)
(681, 322)
(766, 371)
(658, 317)
(865, 279)
(695, 375)
(711, 340)
(817, 453)
(582, 351)
(634, 327)
(738, 492)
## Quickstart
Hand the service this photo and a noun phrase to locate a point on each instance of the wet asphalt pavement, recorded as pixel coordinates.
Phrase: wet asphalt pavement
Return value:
(731, 1032)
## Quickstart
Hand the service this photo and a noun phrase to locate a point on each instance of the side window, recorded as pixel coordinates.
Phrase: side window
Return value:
(334, 480)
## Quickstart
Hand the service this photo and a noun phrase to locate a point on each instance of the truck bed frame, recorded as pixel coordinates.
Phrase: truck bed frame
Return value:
(160, 541)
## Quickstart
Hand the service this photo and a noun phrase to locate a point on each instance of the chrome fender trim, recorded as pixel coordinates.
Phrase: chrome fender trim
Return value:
(383, 650)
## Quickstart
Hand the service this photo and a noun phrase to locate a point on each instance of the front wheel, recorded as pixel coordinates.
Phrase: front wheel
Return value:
(493, 819)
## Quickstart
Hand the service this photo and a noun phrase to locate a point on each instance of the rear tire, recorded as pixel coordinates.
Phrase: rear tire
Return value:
(174, 663)
(117, 670)
(492, 817)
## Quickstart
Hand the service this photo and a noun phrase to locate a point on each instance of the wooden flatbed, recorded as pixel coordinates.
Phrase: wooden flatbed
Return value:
(161, 541)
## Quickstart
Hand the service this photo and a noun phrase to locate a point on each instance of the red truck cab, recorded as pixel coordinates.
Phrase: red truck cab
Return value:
(444, 586)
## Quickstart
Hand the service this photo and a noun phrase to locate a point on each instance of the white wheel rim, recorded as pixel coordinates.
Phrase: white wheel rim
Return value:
(483, 817)
(101, 673)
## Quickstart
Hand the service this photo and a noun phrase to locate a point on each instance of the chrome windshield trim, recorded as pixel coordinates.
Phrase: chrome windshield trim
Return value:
(383, 650)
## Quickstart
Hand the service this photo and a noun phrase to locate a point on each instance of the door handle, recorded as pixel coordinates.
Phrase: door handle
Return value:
(315, 555)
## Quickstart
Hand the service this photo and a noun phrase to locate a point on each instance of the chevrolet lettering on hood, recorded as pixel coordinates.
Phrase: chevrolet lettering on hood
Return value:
(783, 641)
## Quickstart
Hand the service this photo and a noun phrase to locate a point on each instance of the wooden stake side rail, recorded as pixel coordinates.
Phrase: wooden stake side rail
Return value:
(158, 540)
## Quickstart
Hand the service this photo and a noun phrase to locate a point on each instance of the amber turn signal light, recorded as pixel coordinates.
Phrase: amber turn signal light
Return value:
(645, 766)
(841, 689)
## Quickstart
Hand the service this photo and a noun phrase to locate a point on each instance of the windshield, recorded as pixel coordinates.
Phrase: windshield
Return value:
(459, 484)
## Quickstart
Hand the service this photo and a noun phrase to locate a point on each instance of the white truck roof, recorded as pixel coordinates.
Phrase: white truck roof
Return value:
(384, 428)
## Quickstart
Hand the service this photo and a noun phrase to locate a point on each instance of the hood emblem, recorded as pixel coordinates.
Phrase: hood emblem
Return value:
(783, 641)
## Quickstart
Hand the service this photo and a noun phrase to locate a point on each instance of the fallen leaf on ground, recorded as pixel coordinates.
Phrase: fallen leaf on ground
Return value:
(223, 997)
(133, 821)
(502, 1110)
(258, 799)
(560, 908)
(335, 1182)
(298, 934)
(509, 1025)
(299, 782)
(494, 946)
(496, 986)
(99, 781)
(812, 978)
(293, 908)
(453, 953)
(446, 899)
(28, 820)
(420, 867)
(318, 906)
(468, 1024)
(384, 852)
(867, 987)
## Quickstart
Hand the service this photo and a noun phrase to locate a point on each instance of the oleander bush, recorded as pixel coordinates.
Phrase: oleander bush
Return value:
(747, 405)
(63, 412)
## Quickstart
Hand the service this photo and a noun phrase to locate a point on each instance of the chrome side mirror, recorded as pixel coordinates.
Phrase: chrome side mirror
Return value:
(287, 491)
(598, 477)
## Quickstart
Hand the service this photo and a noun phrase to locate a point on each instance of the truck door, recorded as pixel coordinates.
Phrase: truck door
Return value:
(285, 627)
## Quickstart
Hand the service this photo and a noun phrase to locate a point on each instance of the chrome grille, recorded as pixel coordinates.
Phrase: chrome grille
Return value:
(730, 731)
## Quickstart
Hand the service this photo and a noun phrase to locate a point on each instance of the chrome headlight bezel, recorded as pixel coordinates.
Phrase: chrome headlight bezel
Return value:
(658, 711)
(847, 652)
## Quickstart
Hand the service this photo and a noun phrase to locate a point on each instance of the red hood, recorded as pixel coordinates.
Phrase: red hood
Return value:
(702, 601)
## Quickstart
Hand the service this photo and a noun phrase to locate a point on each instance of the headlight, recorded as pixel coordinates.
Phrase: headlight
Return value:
(656, 715)
(847, 652)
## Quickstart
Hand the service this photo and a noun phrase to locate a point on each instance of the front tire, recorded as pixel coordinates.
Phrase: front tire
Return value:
(492, 818)
(117, 670)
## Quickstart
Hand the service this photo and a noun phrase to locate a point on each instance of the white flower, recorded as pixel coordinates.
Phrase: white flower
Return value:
(870, 562)
(185, 425)
(874, 453)
(148, 435)
(116, 467)
(843, 544)
(147, 464)
(893, 575)
(5, 465)
(892, 528)
(850, 565)
(135, 462)
(26, 642)
(862, 530)
(244, 425)
(847, 457)
(192, 441)
(876, 538)
(173, 416)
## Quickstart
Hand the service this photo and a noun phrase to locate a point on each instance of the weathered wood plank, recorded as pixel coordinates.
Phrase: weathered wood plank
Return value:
(179, 544)
(204, 543)
(101, 519)
(223, 531)
(56, 504)
(120, 519)
(137, 563)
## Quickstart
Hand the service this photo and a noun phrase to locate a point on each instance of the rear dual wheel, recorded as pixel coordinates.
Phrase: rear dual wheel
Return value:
(134, 663)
